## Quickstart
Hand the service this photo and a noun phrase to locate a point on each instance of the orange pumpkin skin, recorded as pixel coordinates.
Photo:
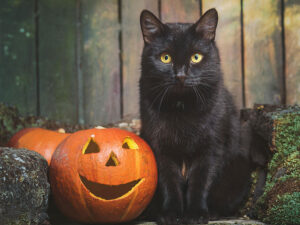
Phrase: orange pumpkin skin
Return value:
(39, 140)
(70, 163)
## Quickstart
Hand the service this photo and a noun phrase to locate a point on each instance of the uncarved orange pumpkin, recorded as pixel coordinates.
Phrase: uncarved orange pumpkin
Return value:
(39, 140)
(103, 176)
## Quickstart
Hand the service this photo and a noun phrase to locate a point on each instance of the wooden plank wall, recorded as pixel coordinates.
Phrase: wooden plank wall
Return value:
(228, 38)
(18, 54)
(132, 46)
(101, 64)
(56, 50)
(78, 61)
(292, 50)
(263, 52)
(180, 10)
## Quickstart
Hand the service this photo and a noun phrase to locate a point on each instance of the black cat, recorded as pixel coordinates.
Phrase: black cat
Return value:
(190, 121)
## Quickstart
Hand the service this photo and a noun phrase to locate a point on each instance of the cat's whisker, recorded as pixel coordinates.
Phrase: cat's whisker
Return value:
(205, 85)
(160, 86)
(160, 92)
(161, 101)
(199, 95)
(207, 78)
(201, 84)
(202, 90)
(156, 98)
(155, 77)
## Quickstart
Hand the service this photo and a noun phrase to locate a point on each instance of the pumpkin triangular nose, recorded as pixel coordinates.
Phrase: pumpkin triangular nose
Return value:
(113, 160)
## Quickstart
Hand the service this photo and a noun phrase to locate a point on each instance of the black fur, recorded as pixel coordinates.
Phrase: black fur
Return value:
(191, 122)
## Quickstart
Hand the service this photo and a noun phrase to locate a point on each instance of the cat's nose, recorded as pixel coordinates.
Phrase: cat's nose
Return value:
(181, 77)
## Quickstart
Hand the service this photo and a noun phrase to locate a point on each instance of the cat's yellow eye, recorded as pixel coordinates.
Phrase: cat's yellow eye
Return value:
(196, 58)
(165, 58)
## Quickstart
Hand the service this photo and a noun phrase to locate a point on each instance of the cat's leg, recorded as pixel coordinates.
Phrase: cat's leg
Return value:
(201, 175)
(170, 191)
(230, 190)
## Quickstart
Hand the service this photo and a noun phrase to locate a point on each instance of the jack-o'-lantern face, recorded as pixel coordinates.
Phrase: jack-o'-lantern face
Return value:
(106, 175)
(108, 191)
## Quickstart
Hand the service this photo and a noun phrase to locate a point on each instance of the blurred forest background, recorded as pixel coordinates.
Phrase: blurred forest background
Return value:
(78, 61)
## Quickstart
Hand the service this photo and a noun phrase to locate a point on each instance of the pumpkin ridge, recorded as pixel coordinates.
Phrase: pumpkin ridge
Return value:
(138, 167)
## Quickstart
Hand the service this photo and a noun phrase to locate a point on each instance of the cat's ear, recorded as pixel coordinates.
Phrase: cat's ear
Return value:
(206, 26)
(151, 26)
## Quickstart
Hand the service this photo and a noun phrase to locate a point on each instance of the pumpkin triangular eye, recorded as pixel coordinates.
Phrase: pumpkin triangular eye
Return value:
(129, 143)
(90, 147)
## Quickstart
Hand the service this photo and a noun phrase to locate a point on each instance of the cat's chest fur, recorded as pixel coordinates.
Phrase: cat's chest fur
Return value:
(181, 133)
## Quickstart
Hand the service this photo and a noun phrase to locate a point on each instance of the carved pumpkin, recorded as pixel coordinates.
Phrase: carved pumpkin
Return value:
(103, 175)
(39, 140)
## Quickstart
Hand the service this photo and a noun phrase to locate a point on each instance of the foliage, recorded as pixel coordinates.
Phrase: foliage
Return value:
(11, 122)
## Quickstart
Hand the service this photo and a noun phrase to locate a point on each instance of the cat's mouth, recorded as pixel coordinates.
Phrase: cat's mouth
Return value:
(180, 89)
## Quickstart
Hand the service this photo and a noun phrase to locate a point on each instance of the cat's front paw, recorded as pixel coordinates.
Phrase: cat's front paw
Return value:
(169, 219)
(196, 218)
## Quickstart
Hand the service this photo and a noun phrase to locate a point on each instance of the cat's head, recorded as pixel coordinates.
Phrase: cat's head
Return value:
(180, 57)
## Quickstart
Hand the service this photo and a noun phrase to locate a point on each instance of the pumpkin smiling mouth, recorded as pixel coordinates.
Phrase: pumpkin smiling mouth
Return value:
(109, 192)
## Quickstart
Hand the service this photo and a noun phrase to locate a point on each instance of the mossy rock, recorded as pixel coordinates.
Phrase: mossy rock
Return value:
(280, 202)
(24, 187)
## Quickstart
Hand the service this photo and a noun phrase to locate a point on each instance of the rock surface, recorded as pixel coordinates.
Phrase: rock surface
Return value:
(219, 222)
(24, 188)
(279, 128)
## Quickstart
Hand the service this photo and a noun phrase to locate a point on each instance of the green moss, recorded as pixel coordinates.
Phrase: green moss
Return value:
(286, 211)
(10, 123)
(287, 137)
(280, 203)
